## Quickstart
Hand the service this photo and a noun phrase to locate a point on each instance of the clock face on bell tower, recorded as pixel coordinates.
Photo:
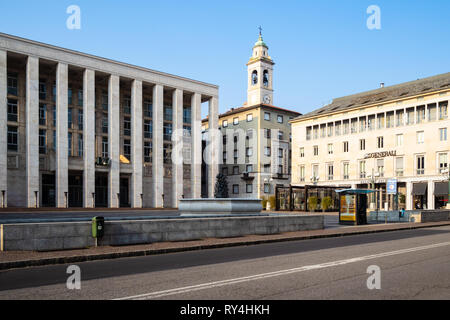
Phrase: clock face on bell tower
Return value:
(260, 75)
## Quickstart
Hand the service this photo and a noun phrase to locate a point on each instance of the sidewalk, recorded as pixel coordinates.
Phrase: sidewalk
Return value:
(11, 260)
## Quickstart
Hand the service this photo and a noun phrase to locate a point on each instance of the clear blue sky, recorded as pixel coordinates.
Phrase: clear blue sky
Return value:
(322, 49)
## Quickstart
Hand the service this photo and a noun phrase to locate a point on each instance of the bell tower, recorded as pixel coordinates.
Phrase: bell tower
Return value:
(260, 75)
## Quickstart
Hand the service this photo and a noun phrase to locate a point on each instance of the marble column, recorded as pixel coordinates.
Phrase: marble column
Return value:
(430, 196)
(62, 174)
(136, 144)
(177, 150)
(215, 146)
(89, 138)
(32, 132)
(196, 141)
(157, 164)
(114, 140)
(3, 129)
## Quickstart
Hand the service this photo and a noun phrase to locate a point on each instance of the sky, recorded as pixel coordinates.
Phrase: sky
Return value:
(322, 49)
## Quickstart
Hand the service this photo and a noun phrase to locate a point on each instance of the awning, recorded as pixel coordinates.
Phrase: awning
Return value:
(419, 189)
(441, 189)
(355, 191)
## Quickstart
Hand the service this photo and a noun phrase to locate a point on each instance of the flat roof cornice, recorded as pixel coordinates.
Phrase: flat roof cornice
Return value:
(76, 58)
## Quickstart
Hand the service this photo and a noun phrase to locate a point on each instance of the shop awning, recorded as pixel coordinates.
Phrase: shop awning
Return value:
(419, 189)
(441, 189)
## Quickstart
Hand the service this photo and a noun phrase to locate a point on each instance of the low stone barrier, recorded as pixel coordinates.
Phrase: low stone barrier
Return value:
(77, 235)
(409, 216)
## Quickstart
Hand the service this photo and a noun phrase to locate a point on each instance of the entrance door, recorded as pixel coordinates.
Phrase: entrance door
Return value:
(75, 190)
(124, 195)
(101, 190)
(48, 190)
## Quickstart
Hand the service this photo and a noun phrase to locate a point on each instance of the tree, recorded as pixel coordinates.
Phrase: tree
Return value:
(326, 203)
(221, 189)
(312, 203)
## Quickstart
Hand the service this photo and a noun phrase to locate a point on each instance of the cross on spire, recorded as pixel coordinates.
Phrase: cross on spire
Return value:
(260, 31)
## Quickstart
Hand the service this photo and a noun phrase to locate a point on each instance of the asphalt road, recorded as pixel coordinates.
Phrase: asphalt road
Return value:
(414, 264)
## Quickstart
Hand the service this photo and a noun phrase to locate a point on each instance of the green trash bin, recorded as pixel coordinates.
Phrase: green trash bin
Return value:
(98, 227)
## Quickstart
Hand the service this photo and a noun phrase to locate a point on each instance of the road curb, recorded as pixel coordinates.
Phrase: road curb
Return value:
(139, 253)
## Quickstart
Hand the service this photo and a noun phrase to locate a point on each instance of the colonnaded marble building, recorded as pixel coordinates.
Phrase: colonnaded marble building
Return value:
(82, 131)
(256, 137)
(396, 133)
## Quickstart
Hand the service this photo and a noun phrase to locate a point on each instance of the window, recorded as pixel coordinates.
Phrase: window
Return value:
(420, 114)
(225, 171)
(42, 142)
(42, 114)
(354, 125)
(315, 170)
(265, 76)
(362, 169)
(420, 137)
(249, 152)
(346, 126)
(280, 119)
(267, 116)
(399, 140)
(302, 152)
(249, 134)
(280, 169)
(69, 148)
(127, 126)
(105, 124)
(42, 90)
(371, 122)
(54, 140)
(80, 145)
(267, 133)
(316, 132)
(330, 129)
(390, 123)
(380, 121)
(236, 138)
(267, 168)
(254, 77)
(167, 153)
(54, 92)
(345, 146)
(410, 116)
(168, 113)
(380, 167)
(443, 110)
(266, 188)
(400, 114)
(316, 150)
(127, 105)
(105, 100)
(249, 188)
(443, 134)
(308, 133)
(249, 168)
(330, 171)
(69, 96)
(280, 135)
(443, 162)
(69, 118)
(432, 116)
(167, 131)
(187, 117)
(12, 110)
(267, 151)
(148, 150)
(302, 173)
(337, 128)
(249, 117)
(235, 189)
(224, 139)
(105, 153)
(235, 121)
(380, 142)
(330, 148)
(148, 128)
(12, 84)
(13, 138)
(420, 164)
(280, 153)
(346, 170)
(80, 119)
(224, 156)
(399, 167)
(54, 116)
(148, 109)
(127, 148)
(225, 123)
(80, 98)
(323, 131)
(362, 144)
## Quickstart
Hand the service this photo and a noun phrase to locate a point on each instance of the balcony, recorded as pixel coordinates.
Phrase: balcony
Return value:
(247, 177)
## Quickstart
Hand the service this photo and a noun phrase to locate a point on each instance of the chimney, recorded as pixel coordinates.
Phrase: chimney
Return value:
(382, 85)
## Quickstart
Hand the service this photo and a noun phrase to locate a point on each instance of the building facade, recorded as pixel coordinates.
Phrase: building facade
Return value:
(84, 131)
(376, 139)
(256, 138)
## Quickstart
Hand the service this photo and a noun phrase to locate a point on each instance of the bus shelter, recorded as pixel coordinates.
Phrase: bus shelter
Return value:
(353, 206)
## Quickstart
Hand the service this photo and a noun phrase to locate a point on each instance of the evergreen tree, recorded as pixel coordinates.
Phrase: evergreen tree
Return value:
(221, 189)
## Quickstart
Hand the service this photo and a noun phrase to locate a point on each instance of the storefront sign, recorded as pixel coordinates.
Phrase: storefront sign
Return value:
(391, 187)
(383, 154)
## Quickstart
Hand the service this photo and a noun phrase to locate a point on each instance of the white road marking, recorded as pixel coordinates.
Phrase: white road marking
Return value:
(209, 285)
